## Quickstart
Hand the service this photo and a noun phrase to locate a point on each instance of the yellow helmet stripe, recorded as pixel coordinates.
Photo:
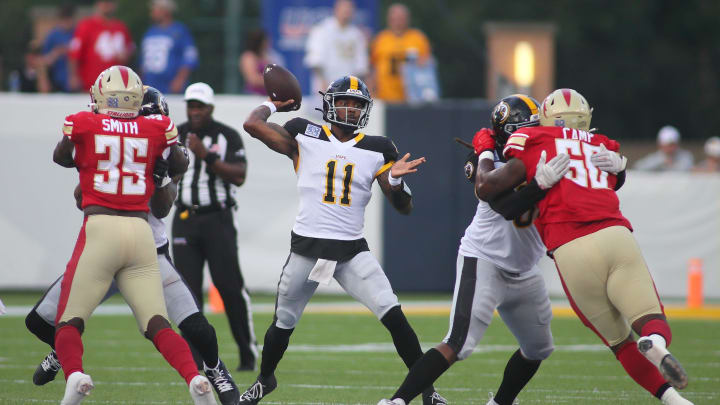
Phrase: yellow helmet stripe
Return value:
(533, 107)
(353, 82)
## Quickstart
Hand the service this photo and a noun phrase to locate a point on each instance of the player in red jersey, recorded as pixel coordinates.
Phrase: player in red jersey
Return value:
(599, 262)
(99, 41)
(115, 153)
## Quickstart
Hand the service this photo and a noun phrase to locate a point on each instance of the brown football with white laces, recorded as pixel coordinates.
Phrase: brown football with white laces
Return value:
(282, 85)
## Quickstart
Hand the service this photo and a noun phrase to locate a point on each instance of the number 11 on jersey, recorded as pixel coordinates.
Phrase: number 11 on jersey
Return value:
(329, 196)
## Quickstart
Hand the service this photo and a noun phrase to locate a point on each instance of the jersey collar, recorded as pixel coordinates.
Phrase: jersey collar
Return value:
(352, 142)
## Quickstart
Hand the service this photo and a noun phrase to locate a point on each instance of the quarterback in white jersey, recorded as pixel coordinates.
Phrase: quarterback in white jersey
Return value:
(496, 269)
(336, 168)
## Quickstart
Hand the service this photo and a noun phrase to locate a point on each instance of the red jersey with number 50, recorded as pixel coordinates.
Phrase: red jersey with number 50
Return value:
(116, 157)
(584, 201)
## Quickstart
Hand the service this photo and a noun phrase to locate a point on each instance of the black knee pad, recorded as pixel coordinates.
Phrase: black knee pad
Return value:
(155, 325)
(196, 325)
(40, 328)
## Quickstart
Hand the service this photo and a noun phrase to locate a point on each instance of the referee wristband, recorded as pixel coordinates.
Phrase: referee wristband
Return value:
(392, 180)
(270, 105)
(211, 157)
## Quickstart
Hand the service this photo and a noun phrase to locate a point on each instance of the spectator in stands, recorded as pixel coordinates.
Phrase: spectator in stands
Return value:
(99, 42)
(391, 48)
(258, 53)
(669, 156)
(55, 48)
(33, 77)
(711, 164)
(335, 48)
(168, 53)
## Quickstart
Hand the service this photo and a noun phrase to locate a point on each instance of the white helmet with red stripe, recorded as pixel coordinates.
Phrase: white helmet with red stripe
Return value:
(565, 108)
(117, 92)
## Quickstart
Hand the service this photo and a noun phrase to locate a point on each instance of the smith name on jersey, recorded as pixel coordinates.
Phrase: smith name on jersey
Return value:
(335, 179)
(116, 157)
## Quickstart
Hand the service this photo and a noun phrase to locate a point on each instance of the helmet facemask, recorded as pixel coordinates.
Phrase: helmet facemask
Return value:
(331, 110)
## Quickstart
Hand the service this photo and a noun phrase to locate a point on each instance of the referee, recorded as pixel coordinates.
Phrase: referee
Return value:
(203, 227)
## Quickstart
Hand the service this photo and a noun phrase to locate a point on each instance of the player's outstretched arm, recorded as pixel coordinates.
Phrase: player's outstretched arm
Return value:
(489, 185)
(273, 135)
(62, 154)
(395, 188)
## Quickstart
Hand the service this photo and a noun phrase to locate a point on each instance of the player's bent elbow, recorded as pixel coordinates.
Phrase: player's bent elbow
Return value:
(251, 126)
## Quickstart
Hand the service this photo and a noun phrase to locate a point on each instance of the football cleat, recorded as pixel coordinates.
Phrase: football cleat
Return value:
(77, 387)
(258, 391)
(669, 366)
(433, 398)
(491, 400)
(396, 401)
(223, 384)
(672, 397)
(200, 391)
(47, 370)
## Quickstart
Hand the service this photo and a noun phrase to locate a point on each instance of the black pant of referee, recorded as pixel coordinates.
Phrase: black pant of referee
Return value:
(208, 234)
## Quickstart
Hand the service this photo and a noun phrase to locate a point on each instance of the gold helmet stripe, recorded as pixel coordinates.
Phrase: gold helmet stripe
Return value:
(353, 82)
(533, 107)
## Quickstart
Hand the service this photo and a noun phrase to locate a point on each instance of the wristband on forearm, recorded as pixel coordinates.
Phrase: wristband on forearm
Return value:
(271, 106)
(210, 158)
(393, 180)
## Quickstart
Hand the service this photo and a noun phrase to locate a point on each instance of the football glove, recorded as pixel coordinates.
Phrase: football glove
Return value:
(483, 140)
(608, 161)
(160, 173)
(547, 174)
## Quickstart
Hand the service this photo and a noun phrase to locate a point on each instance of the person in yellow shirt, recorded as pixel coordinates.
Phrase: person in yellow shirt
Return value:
(389, 51)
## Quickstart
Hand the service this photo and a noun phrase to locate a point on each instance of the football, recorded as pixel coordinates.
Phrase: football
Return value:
(282, 85)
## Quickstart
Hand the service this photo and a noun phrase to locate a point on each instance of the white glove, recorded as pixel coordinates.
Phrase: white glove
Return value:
(547, 174)
(608, 161)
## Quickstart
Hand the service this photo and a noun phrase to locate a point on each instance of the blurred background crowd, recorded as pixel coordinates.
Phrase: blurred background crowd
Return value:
(648, 67)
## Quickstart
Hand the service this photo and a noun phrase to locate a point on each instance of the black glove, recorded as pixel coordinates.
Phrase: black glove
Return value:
(160, 173)
(470, 166)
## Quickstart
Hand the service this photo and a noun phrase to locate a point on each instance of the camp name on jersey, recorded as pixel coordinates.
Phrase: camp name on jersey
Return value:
(335, 179)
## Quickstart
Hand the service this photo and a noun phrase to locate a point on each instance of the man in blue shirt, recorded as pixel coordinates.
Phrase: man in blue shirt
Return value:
(55, 48)
(168, 52)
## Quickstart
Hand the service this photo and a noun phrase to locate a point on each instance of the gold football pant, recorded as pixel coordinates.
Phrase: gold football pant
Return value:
(113, 247)
(607, 282)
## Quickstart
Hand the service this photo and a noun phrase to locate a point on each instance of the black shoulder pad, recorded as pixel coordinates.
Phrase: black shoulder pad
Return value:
(301, 126)
(380, 144)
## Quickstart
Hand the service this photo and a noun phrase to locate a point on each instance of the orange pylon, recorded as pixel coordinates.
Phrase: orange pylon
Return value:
(695, 283)
(215, 301)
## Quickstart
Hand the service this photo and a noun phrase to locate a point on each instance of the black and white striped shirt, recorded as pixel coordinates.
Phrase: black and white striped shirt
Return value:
(201, 187)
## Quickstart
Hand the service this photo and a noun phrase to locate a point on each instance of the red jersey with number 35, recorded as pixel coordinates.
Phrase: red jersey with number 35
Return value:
(116, 157)
(584, 201)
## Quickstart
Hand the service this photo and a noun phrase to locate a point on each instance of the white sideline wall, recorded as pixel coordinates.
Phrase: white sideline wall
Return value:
(676, 216)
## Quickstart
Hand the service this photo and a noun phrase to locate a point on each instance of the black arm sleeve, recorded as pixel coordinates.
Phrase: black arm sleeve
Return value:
(620, 180)
(515, 203)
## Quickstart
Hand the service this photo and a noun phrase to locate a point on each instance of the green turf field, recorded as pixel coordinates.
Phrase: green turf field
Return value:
(349, 359)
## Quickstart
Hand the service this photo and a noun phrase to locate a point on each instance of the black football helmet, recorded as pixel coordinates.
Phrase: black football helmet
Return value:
(346, 87)
(153, 102)
(511, 113)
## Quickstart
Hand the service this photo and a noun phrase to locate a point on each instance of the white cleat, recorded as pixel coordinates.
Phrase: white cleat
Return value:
(396, 401)
(669, 366)
(201, 391)
(77, 387)
(672, 397)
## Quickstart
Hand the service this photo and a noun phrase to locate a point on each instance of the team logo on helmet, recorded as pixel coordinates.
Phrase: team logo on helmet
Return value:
(113, 102)
(502, 112)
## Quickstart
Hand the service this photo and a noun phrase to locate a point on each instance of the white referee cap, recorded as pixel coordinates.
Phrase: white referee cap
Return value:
(668, 135)
(201, 92)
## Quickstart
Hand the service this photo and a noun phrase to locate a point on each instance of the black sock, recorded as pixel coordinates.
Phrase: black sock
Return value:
(662, 390)
(518, 372)
(422, 375)
(201, 335)
(40, 328)
(276, 342)
(403, 336)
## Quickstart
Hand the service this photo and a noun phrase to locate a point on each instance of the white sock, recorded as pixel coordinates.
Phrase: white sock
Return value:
(658, 340)
(672, 397)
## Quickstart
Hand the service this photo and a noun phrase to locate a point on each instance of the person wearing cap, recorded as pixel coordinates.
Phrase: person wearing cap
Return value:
(711, 164)
(168, 53)
(669, 156)
(203, 227)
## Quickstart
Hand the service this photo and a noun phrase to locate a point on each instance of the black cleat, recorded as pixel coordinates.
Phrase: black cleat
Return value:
(673, 372)
(433, 398)
(223, 384)
(47, 370)
(258, 391)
